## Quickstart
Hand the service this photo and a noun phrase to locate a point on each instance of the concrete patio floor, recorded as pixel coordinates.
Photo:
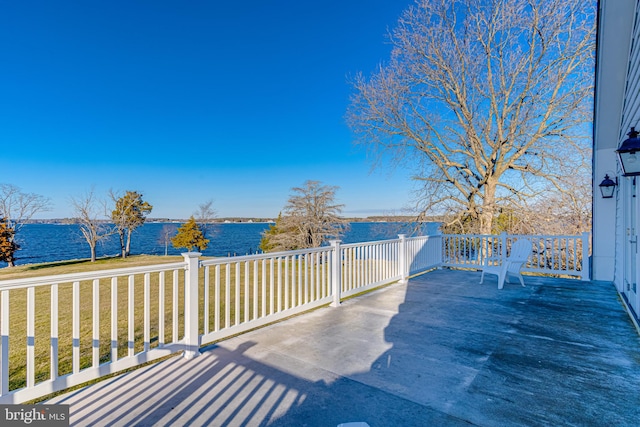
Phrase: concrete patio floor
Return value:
(439, 351)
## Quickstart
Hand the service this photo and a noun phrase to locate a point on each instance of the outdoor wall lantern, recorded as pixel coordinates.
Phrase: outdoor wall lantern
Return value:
(608, 186)
(629, 154)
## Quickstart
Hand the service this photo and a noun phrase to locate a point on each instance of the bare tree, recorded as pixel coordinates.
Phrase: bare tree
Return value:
(90, 215)
(16, 208)
(564, 211)
(310, 217)
(167, 232)
(205, 216)
(486, 99)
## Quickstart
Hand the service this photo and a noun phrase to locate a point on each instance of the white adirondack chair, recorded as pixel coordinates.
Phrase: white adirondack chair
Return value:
(520, 252)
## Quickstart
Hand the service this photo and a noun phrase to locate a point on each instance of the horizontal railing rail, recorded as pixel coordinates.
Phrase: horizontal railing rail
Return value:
(77, 277)
(64, 330)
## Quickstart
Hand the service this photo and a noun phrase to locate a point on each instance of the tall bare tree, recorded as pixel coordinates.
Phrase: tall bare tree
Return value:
(129, 213)
(205, 216)
(167, 232)
(486, 99)
(90, 215)
(310, 217)
(16, 208)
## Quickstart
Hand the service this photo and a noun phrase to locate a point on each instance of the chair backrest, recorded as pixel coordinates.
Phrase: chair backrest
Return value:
(520, 251)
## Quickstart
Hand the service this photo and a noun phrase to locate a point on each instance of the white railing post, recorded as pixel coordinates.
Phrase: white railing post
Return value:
(336, 273)
(4, 343)
(402, 259)
(503, 247)
(191, 337)
(586, 267)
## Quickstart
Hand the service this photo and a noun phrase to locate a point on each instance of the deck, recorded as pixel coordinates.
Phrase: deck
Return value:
(441, 350)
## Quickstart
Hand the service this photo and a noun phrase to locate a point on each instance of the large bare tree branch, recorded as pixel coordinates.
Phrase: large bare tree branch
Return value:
(490, 97)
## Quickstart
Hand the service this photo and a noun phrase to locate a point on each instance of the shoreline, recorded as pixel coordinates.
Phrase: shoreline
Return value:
(240, 220)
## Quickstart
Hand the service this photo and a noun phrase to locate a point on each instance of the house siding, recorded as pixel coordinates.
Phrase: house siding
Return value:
(615, 92)
(626, 201)
(631, 108)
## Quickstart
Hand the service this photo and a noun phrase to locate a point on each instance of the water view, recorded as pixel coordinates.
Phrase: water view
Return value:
(58, 242)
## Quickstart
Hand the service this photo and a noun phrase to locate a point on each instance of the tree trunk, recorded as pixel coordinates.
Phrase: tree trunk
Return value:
(122, 248)
(488, 207)
(128, 249)
(93, 252)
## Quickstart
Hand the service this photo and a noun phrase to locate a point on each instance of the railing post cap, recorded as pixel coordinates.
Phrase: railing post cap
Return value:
(191, 254)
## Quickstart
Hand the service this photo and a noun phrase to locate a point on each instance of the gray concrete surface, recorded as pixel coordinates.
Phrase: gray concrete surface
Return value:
(440, 351)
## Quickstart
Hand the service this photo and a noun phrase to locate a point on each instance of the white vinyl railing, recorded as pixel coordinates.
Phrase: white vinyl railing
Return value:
(366, 266)
(423, 253)
(242, 293)
(64, 330)
(61, 331)
(557, 255)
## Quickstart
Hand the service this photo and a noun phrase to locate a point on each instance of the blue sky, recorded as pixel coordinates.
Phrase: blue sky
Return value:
(190, 101)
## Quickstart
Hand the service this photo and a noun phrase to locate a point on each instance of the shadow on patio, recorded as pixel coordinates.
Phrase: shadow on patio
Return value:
(441, 350)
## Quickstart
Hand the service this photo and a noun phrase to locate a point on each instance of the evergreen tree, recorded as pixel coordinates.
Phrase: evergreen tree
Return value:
(130, 212)
(8, 246)
(190, 236)
(267, 243)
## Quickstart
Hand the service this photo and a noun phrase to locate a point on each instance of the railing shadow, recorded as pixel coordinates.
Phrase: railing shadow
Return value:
(228, 388)
(354, 374)
(440, 351)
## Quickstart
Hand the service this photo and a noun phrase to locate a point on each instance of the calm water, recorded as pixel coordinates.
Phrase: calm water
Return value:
(50, 242)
